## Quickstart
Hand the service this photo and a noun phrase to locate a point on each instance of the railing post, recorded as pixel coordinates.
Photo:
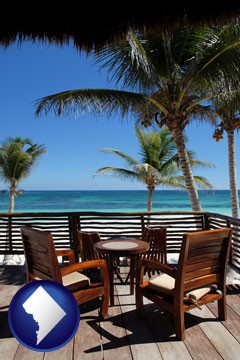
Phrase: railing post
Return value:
(205, 222)
(142, 223)
(73, 228)
(231, 247)
(10, 233)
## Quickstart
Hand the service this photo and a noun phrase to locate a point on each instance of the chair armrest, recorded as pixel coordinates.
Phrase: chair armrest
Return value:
(67, 252)
(99, 263)
(157, 265)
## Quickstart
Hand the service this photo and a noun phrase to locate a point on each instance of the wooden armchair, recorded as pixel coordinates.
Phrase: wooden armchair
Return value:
(86, 245)
(42, 264)
(157, 239)
(200, 277)
(87, 240)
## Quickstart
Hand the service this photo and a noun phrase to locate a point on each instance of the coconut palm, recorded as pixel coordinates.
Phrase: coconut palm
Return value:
(17, 157)
(173, 77)
(230, 121)
(159, 163)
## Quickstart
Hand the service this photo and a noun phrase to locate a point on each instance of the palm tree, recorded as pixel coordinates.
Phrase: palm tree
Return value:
(173, 76)
(230, 121)
(17, 157)
(159, 164)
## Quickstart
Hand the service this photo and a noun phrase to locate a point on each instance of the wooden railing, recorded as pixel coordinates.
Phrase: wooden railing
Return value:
(64, 226)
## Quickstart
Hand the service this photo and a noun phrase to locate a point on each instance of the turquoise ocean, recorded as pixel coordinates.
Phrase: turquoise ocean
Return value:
(115, 200)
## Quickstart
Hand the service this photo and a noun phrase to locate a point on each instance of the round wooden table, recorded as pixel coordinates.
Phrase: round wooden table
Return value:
(129, 247)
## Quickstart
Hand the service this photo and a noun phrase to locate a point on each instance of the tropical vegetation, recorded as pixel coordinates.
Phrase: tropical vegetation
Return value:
(230, 122)
(171, 78)
(159, 163)
(17, 158)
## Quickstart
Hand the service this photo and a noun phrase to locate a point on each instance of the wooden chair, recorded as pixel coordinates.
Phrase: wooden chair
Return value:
(200, 277)
(157, 239)
(42, 264)
(86, 245)
(87, 240)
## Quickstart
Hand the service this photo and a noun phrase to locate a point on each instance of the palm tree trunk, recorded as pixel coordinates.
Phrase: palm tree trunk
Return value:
(186, 169)
(232, 174)
(9, 259)
(150, 194)
(11, 202)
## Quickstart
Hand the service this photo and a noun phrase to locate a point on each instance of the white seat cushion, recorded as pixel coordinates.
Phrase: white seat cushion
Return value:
(75, 281)
(194, 295)
(162, 283)
(165, 284)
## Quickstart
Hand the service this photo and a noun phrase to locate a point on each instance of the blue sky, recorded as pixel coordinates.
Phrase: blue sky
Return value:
(34, 70)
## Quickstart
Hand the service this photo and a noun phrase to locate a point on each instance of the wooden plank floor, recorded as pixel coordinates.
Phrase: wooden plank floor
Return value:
(124, 336)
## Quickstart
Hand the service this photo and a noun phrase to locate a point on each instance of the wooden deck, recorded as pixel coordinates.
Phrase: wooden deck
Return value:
(124, 336)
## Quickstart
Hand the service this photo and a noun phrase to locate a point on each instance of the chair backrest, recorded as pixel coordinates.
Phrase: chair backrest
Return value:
(86, 245)
(157, 239)
(203, 259)
(40, 256)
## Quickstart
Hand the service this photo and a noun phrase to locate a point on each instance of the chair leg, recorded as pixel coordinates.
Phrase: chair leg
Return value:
(179, 324)
(222, 312)
(104, 307)
(139, 303)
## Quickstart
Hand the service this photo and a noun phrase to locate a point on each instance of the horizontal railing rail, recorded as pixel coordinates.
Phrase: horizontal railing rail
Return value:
(64, 226)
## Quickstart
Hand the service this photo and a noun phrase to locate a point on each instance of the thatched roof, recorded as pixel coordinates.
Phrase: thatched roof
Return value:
(91, 25)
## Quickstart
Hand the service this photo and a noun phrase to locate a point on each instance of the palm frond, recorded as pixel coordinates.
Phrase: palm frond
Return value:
(176, 182)
(195, 163)
(122, 173)
(84, 101)
(219, 56)
(17, 157)
(129, 159)
(202, 183)
(159, 163)
(129, 62)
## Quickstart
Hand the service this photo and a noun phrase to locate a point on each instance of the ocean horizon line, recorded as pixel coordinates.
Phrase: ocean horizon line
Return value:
(177, 190)
(217, 201)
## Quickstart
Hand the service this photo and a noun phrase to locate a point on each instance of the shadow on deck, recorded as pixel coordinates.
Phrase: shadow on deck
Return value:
(126, 336)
